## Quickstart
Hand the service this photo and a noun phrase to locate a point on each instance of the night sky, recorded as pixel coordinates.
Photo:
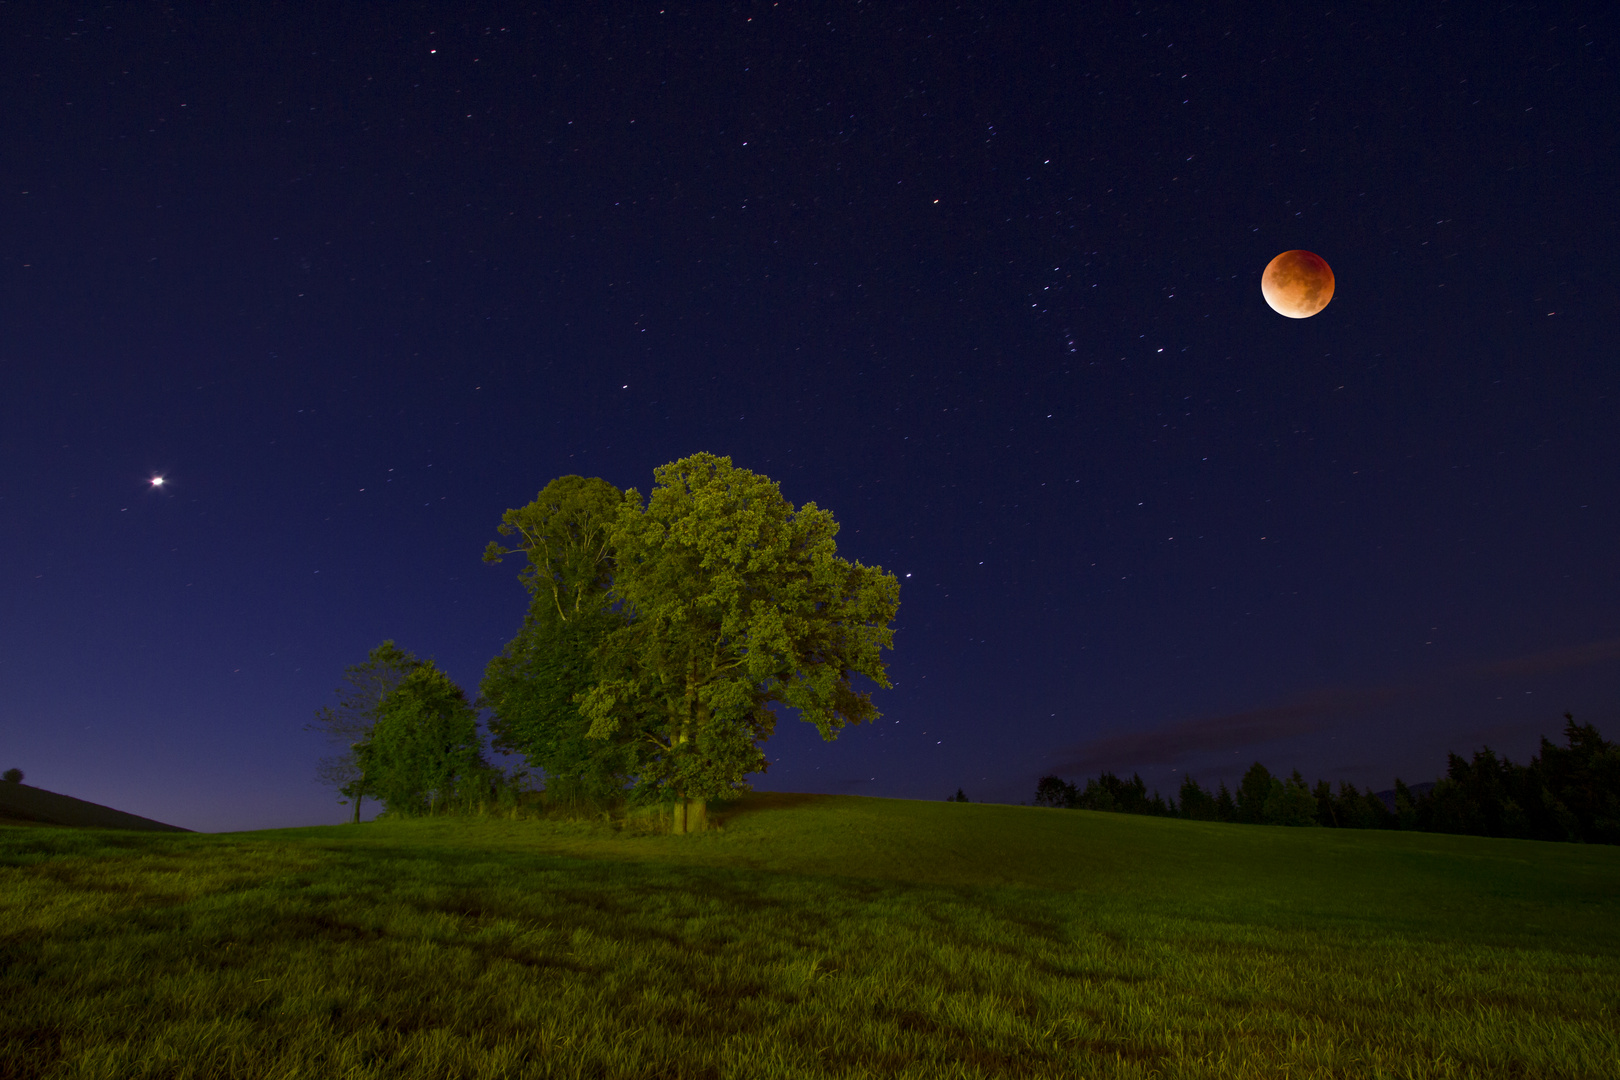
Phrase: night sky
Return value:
(984, 282)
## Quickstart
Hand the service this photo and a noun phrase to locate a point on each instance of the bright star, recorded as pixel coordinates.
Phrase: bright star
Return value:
(157, 481)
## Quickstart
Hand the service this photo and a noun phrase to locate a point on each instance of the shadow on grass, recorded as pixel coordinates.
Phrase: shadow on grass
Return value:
(754, 802)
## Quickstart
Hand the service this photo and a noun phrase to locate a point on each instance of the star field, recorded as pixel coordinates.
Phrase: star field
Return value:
(984, 284)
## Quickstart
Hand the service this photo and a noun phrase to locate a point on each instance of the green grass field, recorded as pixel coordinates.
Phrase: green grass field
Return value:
(809, 936)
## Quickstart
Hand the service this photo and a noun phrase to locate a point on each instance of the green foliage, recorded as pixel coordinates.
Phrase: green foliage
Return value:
(1106, 792)
(1253, 791)
(534, 685)
(1054, 791)
(1109, 792)
(566, 533)
(1326, 810)
(812, 937)
(424, 753)
(532, 689)
(364, 687)
(1197, 804)
(659, 637)
(1355, 809)
(13, 776)
(1583, 782)
(1290, 802)
(1569, 792)
(735, 602)
(1405, 806)
(1564, 793)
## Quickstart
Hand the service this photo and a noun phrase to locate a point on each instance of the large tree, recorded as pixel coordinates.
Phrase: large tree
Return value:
(532, 688)
(735, 602)
(424, 752)
(364, 687)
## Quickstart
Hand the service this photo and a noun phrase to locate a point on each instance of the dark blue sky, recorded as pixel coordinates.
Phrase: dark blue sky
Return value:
(355, 279)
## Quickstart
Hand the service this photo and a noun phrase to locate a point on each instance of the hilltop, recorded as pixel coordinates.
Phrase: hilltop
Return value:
(808, 936)
(22, 804)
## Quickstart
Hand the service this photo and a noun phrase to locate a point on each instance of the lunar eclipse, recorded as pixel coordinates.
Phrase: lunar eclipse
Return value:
(1297, 284)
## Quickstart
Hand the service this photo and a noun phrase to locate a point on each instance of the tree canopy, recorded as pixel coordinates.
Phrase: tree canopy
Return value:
(532, 687)
(677, 623)
(737, 602)
(424, 752)
(364, 687)
(567, 535)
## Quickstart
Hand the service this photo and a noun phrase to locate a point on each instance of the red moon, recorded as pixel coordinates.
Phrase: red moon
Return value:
(1297, 284)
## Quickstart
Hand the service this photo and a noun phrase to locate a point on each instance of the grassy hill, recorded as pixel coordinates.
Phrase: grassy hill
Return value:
(23, 804)
(808, 936)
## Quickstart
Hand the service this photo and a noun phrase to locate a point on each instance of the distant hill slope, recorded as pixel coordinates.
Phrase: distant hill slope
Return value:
(989, 845)
(32, 805)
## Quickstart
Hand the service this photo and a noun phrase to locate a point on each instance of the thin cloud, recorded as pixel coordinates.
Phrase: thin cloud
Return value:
(1210, 734)
(1543, 663)
(1227, 732)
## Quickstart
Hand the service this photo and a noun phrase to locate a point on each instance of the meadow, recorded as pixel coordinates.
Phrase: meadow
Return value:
(807, 936)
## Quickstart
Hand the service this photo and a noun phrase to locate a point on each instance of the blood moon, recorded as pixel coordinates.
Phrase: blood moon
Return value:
(1297, 284)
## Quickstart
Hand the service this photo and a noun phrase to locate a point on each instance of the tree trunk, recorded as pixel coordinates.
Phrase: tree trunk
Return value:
(690, 816)
(357, 809)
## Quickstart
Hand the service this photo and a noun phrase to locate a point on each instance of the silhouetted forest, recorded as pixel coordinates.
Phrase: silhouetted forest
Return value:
(1569, 793)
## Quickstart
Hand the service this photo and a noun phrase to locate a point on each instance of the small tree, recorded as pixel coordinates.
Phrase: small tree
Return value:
(1327, 812)
(1109, 792)
(364, 687)
(1362, 809)
(423, 754)
(960, 796)
(1290, 802)
(13, 776)
(1405, 806)
(736, 602)
(1196, 803)
(1252, 793)
(1055, 791)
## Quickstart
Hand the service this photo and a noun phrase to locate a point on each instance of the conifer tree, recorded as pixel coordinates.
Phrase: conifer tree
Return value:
(1252, 793)
(1290, 802)
(1405, 806)
(1196, 803)
(1326, 809)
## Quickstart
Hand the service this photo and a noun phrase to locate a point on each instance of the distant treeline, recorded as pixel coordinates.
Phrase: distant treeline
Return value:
(1569, 793)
